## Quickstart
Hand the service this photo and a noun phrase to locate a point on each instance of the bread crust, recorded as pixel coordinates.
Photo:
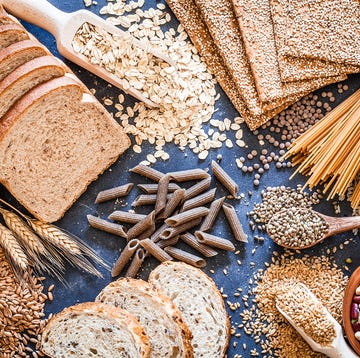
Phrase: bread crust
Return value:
(157, 297)
(123, 316)
(16, 32)
(180, 266)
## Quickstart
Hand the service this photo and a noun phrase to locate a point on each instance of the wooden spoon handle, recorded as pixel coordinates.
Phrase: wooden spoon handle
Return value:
(338, 225)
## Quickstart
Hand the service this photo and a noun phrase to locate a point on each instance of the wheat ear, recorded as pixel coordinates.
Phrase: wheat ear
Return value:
(13, 250)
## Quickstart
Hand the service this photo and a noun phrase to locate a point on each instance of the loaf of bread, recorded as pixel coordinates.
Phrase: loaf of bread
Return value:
(54, 141)
(94, 330)
(11, 33)
(201, 304)
(168, 333)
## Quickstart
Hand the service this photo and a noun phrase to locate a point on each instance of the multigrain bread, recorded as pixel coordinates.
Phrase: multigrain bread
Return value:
(54, 141)
(19, 53)
(26, 77)
(201, 304)
(11, 33)
(168, 333)
(94, 330)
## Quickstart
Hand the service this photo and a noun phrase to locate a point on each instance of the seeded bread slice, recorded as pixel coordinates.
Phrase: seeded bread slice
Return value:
(200, 303)
(11, 33)
(26, 77)
(168, 333)
(19, 53)
(54, 141)
(94, 330)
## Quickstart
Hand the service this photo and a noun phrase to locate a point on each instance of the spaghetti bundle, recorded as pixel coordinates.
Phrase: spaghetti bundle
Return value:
(329, 152)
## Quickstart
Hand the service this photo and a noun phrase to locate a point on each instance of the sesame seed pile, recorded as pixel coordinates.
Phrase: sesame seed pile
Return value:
(21, 313)
(262, 321)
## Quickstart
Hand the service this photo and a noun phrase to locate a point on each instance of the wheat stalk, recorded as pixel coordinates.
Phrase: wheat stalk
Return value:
(13, 250)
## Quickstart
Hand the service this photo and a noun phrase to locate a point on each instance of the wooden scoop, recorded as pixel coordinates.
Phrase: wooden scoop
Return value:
(338, 348)
(336, 225)
(63, 26)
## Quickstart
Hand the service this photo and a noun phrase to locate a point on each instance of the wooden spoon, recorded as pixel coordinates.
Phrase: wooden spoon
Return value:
(353, 283)
(64, 27)
(335, 225)
(338, 348)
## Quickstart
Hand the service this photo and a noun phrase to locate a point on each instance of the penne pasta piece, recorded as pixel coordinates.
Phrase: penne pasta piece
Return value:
(192, 241)
(199, 200)
(163, 243)
(224, 178)
(147, 172)
(126, 217)
(198, 188)
(136, 263)
(106, 226)
(114, 193)
(170, 232)
(155, 250)
(234, 223)
(175, 200)
(156, 235)
(185, 256)
(142, 226)
(161, 196)
(210, 218)
(147, 233)
(188, 175)
(146, 199)
(124, 257)
(214, 241)
(153, 188)
(186, 216)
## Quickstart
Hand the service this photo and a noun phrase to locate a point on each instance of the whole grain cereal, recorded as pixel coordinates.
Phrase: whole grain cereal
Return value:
(21, 313)
(265, 324)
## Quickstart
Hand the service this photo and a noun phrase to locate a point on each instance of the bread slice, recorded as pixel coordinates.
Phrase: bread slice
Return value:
(168, 333)
(11, 33)
(26, 77)
(53, 142)
(19, 53)
(200, 302)
(92, 329)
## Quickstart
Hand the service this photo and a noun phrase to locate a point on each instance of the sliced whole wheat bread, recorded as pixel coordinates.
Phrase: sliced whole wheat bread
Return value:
(26, 77)
(11, 33)
(200, 303)
(54, 141)
(94, 330)
(168, 333)
(19, 53)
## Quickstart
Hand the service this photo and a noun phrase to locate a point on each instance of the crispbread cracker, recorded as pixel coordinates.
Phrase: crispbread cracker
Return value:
(293, 68)
(323, 29)
(222, 24)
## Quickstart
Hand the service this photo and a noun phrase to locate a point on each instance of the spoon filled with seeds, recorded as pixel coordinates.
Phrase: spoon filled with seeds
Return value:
(300, 228)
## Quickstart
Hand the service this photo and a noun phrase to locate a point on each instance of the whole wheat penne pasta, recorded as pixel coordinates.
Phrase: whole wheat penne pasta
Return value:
(192, 241)
(188, 175)
(124, 257)
(142, 226)
(146, 199)
(126, 217)
(114, 193)
(106, 226)
(155, 250)
(170, 232)
(170, 242)
(175, 200)
(156, 236)
(147, 233)
(199, 200)
(136, 263)
(210, 218)
(161, 196)
(186, 216)
(153, 188)
(147, 172)
(214, 241)
(234, 223)
(185, 256)
(224, 178)
(198, 188)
